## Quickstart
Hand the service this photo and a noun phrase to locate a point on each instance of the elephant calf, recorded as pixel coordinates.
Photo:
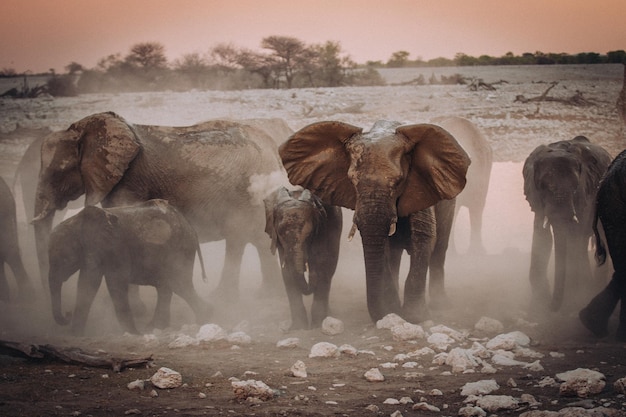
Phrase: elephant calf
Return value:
(306, 233)
(147, 244)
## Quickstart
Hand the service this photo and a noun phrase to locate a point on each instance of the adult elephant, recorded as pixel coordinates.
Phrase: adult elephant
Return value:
(206, 171)
(560, 184)
(306, 233)
(611, 213)
(391, 177)
(474, 195)
(150, 243)
(9, 247)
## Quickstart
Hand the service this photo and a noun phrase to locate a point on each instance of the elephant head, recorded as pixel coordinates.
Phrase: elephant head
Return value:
(560, 183)
(293, 219)
(389, 172)
(90, 158)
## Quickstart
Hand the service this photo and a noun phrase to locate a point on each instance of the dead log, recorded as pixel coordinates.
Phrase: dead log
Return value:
(70, 355)
(575, 100)
(479, 84)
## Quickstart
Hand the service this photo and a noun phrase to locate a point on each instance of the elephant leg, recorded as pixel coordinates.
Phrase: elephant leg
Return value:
(185, 289)
(436, 287)
(4, 285)
(89, 280)
(620, 335)
(26, 289)
(539, 258)
(270, 269)
(595, 316)
(161, 318)
(319, 307)
(118, 290)
(139, 308)
(476, 246)
(422, 240)
(228, 288)
(299, 318)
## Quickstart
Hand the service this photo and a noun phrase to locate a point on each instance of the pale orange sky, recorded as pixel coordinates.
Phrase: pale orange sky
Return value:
(37, 35)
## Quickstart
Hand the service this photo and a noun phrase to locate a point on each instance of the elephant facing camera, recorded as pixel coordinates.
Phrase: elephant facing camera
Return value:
(306, 233)
(147, 244)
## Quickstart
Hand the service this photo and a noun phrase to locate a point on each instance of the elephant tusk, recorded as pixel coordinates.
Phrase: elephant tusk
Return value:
(575, 219)
(352, 232)
(282, 264)
(392, 229)
(545, 223)
(306, 267)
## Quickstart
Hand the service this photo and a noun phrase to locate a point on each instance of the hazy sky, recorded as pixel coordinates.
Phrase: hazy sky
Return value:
(38, 35)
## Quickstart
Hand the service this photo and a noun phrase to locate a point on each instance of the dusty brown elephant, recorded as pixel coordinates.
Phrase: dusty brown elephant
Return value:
(400, 180)
(205, 171)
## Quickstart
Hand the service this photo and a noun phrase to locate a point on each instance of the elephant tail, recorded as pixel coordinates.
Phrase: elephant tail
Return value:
(201, 260)
(600, 248)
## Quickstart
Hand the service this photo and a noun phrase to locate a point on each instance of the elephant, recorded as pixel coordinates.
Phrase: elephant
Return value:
(474, 195)
(150, 243)
(307, 234)
(10, 253)
(560, 184)
(401, 181)
(205, 170)
(610, 213)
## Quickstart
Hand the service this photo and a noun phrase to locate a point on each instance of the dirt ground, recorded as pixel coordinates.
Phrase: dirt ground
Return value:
(493, 285)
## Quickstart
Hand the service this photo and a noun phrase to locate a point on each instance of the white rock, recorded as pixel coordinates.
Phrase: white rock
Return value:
(581, 382)
(389, 365)
(471, 411)
(374, 375)
(332, 326)
(480, 351)
(455, 334)
(391, 401)
(298, 369)
(410, 364)
(488, 325)
(289, 343)
(137, 385)
(423, 406)
(239, 338)
(440, 341)
(508, 341)
(348, 350)
(534, 366)
(407, 331)
(461, 360)
(323, 350)
(252, 389)
(421, 352)
(435, 392)
(389, 321)
(406, 400)
(210, 333)
(486, 386)
(494, 403)
(620, 385)
(166, 378)
(182, 341)
(505, 360)
(530, 400)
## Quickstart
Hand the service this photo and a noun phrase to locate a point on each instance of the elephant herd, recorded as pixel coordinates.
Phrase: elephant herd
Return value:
(153, 194)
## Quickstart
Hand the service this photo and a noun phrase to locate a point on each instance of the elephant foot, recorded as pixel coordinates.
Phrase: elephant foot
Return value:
(415, 313)
(226, 294)
(298, 325)
(620, 336)
(598, 327)
(440, 302)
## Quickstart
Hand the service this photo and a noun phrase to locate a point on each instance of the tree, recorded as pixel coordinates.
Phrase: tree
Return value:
(74, 68)
(398, 59)
(286, 50)
(147, 56)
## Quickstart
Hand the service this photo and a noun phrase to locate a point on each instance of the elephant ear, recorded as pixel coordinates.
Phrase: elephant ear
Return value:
(108, 144)
(528, 171)
(437, 169)
(315, 158)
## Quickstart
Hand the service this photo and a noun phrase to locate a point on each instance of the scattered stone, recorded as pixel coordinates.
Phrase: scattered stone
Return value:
(239, 338)
(183, 341)
(391, 401)
(461, 360)
(396, 413)
(488, 325)
(332, 326)
(137, 385)
(472, 411)
(389, 365)
(620, 385)
(132, 411)
(581, 382)
(483, 387)
(252, 389)
(210, 333)
(406, 400)
(166, 378)
(530, 400)
(298, 370)
(407, 331)
(348, 350)
(494, 403)
(201, 395)
(455, 334)
(288, 343)
(423, 406)
(421, 352)
(373, 408)
(389, 321)
(323, 350)
(440, 341)
(508, 341)
(435, 392)
(153, 393)
(374, 375)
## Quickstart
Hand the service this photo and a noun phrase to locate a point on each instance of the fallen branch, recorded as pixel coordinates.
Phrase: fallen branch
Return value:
(69, 355)
(576, 100)
(479, 84)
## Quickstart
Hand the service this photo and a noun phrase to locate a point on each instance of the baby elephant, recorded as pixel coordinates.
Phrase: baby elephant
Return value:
(147, 244)
(306, 233)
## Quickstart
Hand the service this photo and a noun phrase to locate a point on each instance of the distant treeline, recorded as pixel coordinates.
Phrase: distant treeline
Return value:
(284, 62)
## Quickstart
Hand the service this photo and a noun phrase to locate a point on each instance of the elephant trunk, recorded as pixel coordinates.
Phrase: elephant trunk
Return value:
(43, 227)
(55, 297)
(295, 266)
(562, 249)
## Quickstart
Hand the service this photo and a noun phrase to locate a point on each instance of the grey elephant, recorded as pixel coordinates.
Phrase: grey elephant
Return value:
(10, 253)
(306, 233)
(205, 170)
(560, 184)
(474, 195)
(391, 177)
(147, 244)
(611, 217)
